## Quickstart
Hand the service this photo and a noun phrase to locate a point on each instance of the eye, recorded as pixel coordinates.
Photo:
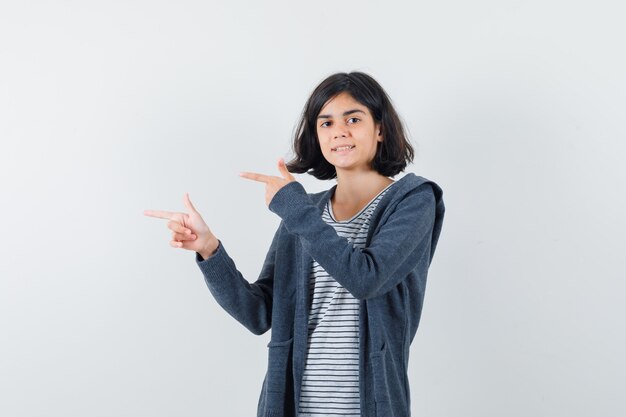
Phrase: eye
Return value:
(354, 120)
(325, 124)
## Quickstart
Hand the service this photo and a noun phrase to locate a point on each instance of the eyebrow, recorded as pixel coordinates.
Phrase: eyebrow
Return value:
(345, 113)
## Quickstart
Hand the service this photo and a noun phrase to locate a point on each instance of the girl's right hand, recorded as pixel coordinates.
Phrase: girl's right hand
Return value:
(189, 231)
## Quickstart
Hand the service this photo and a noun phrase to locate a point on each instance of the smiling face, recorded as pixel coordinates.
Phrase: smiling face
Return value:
(348, 134)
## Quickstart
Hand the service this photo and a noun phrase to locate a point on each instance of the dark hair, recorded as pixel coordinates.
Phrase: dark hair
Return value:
(392, 154)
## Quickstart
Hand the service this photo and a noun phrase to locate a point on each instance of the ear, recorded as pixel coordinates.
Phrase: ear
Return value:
(379, 127)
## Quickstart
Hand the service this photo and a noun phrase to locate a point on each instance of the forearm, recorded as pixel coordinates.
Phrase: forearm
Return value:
(394, 251)
(250, 304)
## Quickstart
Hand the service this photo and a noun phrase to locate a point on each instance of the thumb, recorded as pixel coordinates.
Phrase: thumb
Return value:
(284, 171)
(188, 204)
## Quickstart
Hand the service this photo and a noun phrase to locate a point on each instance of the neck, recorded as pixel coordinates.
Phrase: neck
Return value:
(356, 187)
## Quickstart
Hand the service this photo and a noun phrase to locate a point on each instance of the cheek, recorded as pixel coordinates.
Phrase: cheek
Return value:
(321, 141)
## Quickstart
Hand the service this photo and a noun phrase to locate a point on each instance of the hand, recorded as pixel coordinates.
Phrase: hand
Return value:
(189, 231)
(272, 184)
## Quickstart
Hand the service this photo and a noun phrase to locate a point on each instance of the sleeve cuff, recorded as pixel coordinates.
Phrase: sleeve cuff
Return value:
(289, 199)
(199, 257)
(216, 268)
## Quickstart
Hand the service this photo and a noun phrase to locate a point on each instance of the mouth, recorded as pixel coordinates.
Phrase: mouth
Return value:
(342, 148)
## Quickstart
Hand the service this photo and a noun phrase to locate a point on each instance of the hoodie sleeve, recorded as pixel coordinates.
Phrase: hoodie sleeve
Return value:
(401, 243)
(248, 303)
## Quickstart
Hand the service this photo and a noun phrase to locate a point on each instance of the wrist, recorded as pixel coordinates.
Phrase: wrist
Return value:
(210, 249)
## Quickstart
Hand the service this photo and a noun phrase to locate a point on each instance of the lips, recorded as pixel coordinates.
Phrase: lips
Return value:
(342, 148)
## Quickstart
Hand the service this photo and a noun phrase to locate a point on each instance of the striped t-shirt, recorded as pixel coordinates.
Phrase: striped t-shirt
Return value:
(330, 383)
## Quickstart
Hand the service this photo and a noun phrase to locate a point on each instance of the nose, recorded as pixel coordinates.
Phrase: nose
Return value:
(340, 131)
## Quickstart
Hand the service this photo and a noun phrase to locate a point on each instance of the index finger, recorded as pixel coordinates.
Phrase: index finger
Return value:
(159, 214)
(254, 176)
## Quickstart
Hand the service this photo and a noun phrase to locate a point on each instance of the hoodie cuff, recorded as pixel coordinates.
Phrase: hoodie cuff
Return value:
(289, 200)
(216, 267)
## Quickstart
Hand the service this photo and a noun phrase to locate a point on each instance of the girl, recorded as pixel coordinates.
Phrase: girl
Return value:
(343, 282)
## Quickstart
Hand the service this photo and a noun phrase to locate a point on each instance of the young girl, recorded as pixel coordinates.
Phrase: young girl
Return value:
(343, 282)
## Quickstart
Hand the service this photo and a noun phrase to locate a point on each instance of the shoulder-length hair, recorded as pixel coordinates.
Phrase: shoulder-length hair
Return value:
(392, 154)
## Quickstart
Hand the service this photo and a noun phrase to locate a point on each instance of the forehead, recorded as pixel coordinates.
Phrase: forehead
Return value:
(338, 104)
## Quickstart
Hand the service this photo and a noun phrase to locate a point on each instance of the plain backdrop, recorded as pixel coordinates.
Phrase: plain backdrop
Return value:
(516, 109)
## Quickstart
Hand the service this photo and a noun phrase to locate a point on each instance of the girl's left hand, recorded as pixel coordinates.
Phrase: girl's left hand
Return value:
(272, 183)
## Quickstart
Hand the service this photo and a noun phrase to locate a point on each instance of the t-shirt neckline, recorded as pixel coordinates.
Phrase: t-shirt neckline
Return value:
(329, 205)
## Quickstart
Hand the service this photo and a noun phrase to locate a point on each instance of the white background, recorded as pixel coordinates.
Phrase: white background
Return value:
(516, 109)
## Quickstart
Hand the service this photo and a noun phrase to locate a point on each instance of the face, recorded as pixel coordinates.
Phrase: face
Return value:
(347, 133)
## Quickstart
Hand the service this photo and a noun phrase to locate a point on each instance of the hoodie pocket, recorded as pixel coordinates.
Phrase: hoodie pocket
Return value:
(279, 366)
(379, 373)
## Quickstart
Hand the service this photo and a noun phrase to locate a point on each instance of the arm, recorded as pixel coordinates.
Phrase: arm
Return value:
(250, 304)
(400, 244)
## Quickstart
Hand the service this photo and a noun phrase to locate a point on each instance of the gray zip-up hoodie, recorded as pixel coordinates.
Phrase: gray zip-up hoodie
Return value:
(388, 276)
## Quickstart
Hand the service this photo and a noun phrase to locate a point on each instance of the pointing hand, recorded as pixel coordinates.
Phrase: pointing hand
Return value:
(189, 231)
(272, 183)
